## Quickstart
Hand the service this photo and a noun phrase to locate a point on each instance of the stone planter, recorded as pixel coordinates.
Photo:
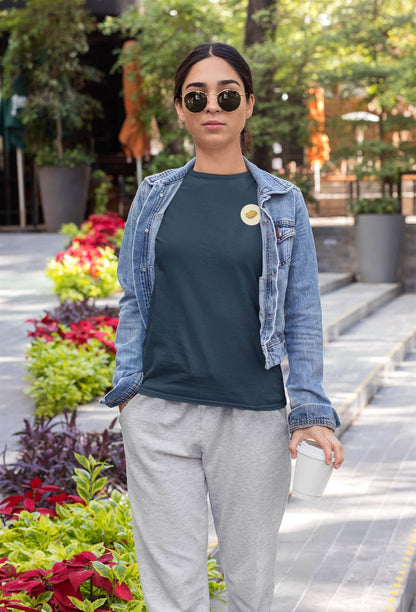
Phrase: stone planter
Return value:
(379, 241)
(63, 194)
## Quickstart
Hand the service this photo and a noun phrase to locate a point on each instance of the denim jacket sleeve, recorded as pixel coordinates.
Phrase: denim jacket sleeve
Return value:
(303, 331)
(130, 333)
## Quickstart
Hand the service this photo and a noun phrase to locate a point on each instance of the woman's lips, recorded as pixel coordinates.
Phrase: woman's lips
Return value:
(213, 125)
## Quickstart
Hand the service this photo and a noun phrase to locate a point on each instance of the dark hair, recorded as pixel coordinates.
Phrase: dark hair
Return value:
(232, 57)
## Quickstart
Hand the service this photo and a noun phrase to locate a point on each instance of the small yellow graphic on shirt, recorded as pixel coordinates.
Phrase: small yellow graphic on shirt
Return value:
(250, 214)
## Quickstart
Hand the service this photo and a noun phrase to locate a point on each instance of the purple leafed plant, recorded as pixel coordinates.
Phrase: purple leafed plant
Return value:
(46, 451)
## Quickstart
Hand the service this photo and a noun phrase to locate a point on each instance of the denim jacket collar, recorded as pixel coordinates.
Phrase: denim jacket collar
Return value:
(268, 184)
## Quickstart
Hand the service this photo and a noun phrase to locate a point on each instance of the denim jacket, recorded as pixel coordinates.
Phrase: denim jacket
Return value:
(290, 308)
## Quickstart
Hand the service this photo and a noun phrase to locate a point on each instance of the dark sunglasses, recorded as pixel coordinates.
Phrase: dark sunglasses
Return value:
(228, 99)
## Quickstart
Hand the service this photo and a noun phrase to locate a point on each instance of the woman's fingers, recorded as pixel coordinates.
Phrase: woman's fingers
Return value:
(325, 437)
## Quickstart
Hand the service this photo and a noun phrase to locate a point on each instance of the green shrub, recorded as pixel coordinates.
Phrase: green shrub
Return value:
(63, 375)
(102, 189)
(70, 158)
(84, 272)
(70, 230)
(376, 206)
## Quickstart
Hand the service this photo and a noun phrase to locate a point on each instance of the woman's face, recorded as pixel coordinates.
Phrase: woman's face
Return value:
(213, 127)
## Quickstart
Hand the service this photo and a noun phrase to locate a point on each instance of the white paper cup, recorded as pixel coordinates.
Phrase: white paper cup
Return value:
(311, 471)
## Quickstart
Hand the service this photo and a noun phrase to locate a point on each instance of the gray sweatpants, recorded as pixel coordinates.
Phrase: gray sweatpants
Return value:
(176, 453)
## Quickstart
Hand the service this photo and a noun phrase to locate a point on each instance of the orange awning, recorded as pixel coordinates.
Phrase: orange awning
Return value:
(319, 149)
(133, 138)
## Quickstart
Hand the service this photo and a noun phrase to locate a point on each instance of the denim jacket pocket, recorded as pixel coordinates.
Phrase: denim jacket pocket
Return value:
(285, 233)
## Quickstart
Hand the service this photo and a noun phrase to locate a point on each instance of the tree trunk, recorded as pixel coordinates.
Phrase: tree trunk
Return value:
(59, 133)
(256, 32)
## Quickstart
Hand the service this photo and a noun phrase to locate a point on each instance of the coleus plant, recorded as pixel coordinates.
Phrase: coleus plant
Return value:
(86, 578)
(88, 266)
(97, 230)
(84, 271)
(81, 559)
(37, 497)
(65, 586)
(70, 363)
(100, 327)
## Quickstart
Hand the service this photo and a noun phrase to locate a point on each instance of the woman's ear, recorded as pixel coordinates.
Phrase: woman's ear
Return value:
(179, 110)
(250, 105)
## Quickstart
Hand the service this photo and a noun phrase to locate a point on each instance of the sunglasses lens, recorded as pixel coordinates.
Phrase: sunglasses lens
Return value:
(229, 100)
(195, 101)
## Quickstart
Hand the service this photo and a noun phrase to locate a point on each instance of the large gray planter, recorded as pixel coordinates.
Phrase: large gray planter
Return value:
(63, 194)
(379, 246)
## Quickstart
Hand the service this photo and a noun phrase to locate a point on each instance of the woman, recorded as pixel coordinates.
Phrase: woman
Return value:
(220, 279)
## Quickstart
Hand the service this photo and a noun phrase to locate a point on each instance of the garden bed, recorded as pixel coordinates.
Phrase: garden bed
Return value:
(61, 552)
(71, 357)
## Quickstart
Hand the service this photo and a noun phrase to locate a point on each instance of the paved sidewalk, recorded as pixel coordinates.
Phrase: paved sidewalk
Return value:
(352, 551)
(25, 292)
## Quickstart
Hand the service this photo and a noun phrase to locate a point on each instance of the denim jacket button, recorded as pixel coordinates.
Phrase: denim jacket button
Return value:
(146, 230)
(143, 269)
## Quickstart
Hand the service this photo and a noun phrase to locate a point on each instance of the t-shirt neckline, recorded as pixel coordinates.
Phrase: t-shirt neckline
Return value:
(209, 175)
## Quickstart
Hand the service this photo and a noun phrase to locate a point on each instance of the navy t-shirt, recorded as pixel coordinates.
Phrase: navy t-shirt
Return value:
(202, 343)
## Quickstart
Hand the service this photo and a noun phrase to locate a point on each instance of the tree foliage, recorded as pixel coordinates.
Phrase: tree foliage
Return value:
(46, 42)
(359, 48)
(371, 44)
(165, 31)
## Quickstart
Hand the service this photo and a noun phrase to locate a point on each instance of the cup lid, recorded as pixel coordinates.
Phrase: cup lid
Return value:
(310, 448)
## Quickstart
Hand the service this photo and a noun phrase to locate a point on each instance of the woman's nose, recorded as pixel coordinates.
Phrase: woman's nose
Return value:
(212, 103)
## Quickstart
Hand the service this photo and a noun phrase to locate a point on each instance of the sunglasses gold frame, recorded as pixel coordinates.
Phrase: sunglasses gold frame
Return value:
(220, 100)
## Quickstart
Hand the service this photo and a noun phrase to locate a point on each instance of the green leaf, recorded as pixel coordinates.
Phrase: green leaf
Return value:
(103, 569)
(120, 571)
(80, 605)
(84, 461)
(99, 485)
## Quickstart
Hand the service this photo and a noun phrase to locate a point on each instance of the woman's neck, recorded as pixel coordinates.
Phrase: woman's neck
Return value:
(219, 162)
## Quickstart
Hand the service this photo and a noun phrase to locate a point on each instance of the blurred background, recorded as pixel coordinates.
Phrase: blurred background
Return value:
(334, 80)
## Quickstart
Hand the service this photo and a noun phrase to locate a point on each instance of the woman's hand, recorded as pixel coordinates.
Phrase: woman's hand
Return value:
(325, 437)
(122, 406)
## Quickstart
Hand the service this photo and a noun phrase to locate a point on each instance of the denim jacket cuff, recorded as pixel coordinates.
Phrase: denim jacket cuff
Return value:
(124, 390)
(308, 415)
